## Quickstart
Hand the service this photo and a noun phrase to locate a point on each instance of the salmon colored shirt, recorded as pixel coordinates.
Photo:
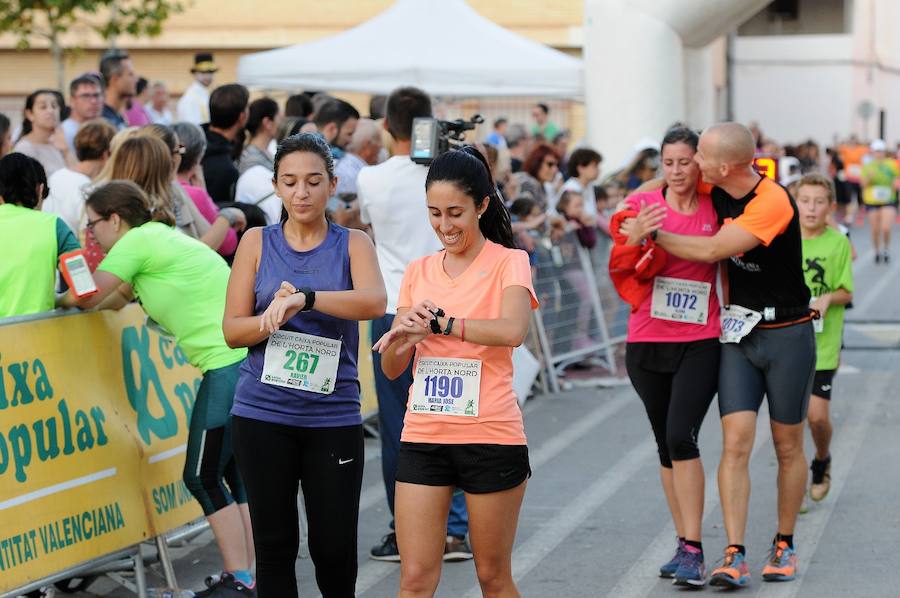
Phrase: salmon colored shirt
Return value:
(476, 294)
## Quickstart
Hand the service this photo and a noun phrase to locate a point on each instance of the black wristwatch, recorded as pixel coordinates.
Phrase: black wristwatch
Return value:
(449, 327)
(653, 235)
(435, 325)
(310, 297)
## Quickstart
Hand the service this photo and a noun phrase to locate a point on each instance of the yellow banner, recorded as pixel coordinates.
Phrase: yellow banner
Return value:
(94, 415)
(93, 422)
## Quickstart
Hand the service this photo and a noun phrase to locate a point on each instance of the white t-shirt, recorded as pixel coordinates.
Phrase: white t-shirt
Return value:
(255, 187)
(392, 200)
(590, 203)
(67, 195)
(70, 129)
(193, 106)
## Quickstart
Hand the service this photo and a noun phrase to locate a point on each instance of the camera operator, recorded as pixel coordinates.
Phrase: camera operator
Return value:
(392, 201)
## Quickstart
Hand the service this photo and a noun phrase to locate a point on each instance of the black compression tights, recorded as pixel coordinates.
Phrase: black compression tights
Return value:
(328, 463)
(677, 401)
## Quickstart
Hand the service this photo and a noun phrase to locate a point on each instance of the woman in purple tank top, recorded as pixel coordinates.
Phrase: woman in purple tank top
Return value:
(296, 293)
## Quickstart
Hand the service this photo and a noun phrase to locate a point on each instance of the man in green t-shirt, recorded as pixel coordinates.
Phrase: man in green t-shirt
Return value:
(543, 127)
(827, 258)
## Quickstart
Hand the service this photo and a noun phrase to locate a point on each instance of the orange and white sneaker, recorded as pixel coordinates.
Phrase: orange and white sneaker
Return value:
(734, 572)
(782, 565)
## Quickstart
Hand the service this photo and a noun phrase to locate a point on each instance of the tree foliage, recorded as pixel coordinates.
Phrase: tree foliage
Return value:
(48, 19)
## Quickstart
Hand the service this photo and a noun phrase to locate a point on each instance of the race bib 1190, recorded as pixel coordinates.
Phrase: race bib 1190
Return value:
(446, 386)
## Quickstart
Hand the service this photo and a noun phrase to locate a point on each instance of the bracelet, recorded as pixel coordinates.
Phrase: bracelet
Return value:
(310, 297)
(653, 235)
(449, 327)
(462, 330)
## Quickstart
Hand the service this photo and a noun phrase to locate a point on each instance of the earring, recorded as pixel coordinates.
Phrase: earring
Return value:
(479, 216)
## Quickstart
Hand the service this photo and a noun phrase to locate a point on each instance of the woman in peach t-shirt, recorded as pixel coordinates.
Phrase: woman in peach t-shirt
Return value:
(461, 312)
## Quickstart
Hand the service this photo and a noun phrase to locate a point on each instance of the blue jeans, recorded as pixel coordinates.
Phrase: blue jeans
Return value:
(392, 397)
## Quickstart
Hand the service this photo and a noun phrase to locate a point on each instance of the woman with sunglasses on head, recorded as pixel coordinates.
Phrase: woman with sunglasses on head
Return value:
(540, 177)
(181, 284)
(461, 312)
(297, 291)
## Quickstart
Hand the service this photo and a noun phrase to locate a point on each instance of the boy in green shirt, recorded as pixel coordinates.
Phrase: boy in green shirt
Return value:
(827, 258)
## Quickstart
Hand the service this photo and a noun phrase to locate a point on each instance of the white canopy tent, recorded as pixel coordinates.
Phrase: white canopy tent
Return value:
(442, 46)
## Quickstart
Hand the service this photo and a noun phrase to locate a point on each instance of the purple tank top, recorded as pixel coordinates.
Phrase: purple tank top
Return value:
(325, 268)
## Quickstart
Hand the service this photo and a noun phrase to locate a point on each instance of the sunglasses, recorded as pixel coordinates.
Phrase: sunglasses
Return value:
(551, 163)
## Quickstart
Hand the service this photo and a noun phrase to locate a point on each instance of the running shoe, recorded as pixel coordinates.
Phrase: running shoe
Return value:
(692, 571)
(821, 479)
(877, 258)
(668, 570)
(387, 550)
(734, 572)
(782, 565)
(457, 549)
(225, 586)
(886, 257)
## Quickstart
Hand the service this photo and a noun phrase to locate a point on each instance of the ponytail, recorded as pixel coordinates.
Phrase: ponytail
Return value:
(467, 168)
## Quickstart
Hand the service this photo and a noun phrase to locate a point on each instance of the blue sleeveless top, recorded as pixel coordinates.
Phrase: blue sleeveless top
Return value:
(325, 268)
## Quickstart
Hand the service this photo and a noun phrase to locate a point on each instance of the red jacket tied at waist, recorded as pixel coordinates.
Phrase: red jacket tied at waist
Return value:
(633, 267)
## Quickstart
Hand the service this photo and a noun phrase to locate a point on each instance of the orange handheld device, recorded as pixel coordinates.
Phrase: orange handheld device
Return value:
(75, 271)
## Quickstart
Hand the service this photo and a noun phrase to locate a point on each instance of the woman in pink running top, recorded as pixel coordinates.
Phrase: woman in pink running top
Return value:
(672, 355)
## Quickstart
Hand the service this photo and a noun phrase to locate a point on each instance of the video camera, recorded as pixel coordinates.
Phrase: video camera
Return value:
(432, 137)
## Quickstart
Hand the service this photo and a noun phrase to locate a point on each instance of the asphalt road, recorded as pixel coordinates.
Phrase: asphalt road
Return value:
(595, 523)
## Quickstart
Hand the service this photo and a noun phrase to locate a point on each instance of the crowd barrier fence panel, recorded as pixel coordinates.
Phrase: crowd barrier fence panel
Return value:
(570, 324)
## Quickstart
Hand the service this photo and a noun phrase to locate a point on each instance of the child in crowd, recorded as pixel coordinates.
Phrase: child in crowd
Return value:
(571, 207)
(827, 258)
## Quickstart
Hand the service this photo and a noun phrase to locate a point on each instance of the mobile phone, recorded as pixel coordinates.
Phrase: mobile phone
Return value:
(77, 274)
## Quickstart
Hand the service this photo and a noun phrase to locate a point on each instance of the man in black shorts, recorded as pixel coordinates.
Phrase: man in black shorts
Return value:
(768, 340)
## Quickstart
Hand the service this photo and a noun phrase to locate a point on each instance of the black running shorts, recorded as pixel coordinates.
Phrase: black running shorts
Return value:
(473, 468)
(822, 383)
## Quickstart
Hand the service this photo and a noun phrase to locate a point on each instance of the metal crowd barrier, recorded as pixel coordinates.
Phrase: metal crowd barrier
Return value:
(580, 315)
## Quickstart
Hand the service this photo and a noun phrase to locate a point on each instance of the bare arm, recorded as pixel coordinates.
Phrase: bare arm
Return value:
(731, 240)
(509, 330)
(400, 343)
(837, 297)
(241, 327)
(368, 299)
(411, 326)
(107, 286)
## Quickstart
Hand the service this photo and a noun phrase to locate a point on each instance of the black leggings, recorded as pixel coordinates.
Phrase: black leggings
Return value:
(328, 463)
(676, 382)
